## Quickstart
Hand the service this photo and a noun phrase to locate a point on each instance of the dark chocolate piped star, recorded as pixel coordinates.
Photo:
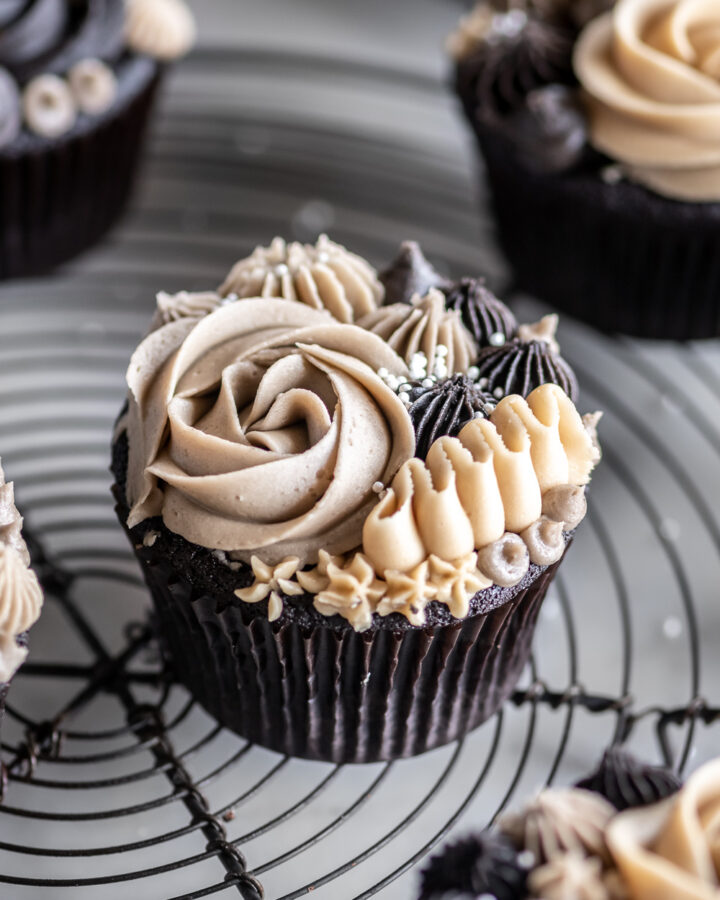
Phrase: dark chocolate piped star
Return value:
(483, 864)
(626, 782)
(409, 274)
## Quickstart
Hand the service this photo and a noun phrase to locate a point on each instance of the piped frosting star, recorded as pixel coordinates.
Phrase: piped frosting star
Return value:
(316, 580)
(353, 592)
(408, 593)
(271, 581)
(455, 583)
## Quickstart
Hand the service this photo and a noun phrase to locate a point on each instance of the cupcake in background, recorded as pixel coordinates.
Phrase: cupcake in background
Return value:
(347, 538)
(21, 596)
(630, 831)
(598, 125)
(77, 84)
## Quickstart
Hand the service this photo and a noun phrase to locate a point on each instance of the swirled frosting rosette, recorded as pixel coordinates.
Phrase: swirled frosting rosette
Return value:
(263, 428)
(650, 70)
(21, 596)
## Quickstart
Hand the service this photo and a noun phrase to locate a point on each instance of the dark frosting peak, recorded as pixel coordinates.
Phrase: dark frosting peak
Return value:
(549, 131)
(484, 864)
(410, 274)
(443, 408)
(496, 77)
(625, 782)
(484, 316)
(50, 36)
(524, 363)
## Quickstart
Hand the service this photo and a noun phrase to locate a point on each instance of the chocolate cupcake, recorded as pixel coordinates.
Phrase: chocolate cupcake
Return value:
(20, 593)
(322, 590)
(631, 832)
(77, 83)
(598, 127)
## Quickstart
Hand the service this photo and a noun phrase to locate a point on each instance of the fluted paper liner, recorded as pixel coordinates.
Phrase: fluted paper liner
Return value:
(59, 196)
(613, 255)
(327, 692)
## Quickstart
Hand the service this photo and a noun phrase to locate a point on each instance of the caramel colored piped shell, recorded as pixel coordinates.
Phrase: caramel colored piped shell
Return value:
(162, 29)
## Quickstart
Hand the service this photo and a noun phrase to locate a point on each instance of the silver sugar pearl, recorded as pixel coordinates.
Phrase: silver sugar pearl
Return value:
(497, 339)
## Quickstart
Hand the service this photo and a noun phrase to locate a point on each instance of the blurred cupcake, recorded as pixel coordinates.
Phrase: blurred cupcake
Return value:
(20, 593)
(346, 539)
(598, 124)
(77, 82)
(627, 832)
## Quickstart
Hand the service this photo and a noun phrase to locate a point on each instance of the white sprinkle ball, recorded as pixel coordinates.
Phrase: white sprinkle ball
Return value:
(497, 339)
(526, 859)
(612, 174)
(483, 383)
(323, 257)
(383, 372)
(498, 392)
(281, 269)
(441, 350)
(473, 373)
(378, 487)
(427, 382)
(404, 396)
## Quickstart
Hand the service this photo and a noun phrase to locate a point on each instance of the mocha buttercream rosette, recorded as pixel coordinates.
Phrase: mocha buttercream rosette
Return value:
(630, 831)
(277, 422)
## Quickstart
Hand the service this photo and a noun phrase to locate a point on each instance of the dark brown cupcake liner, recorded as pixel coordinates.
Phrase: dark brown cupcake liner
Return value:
(58, 197)
(329, 693)
(613, 255)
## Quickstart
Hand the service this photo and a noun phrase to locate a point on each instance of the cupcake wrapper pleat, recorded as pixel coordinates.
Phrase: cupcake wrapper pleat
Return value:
(332, 694)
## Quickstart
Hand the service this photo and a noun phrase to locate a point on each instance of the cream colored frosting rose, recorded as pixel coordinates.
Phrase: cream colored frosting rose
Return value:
(650, 71)
(262, 429)
(671, 850)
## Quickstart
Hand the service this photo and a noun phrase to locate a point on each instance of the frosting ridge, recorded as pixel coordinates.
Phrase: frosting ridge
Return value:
(651, 74)
(256, 394)
(20, 592)
(487, 481)
(322, 276)
(424, 326)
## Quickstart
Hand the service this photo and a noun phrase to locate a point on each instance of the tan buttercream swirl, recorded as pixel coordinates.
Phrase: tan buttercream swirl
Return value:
(489, 480)
(10, 520)
(323, 276)
(560, 821)
(262, 428)
(163, 29)
(20, 603)
(184, 305)
(423, 326)
(671, 850)
(651, 77)
(20, 593)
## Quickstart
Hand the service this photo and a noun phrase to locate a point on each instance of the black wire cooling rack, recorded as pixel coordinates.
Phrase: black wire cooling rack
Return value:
(116, 783)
